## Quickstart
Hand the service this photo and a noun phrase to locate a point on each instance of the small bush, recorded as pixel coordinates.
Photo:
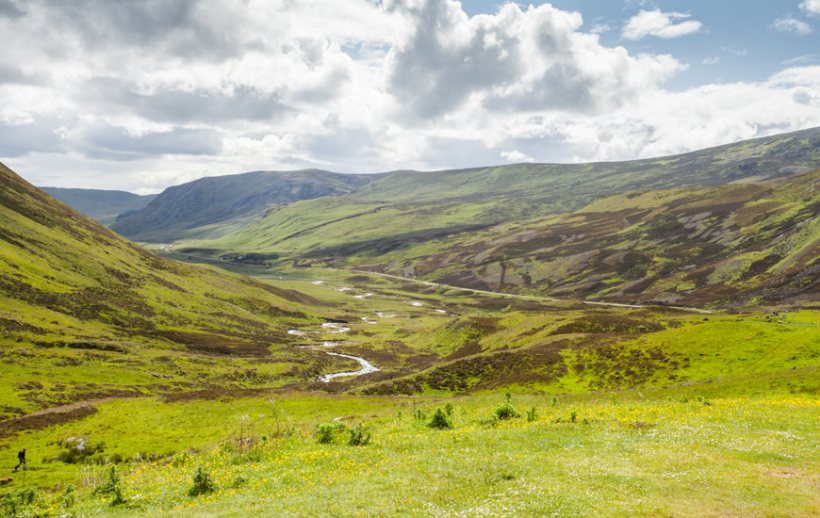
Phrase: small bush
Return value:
(573, 417)
(77, 451)
(358, 436)
(69, 496)
(532, 415)
(17, 502)
(506, 410)
(203, 483)
(449, 409)
(420, 415)
(112, 487)
(326, 433)
(440, 420)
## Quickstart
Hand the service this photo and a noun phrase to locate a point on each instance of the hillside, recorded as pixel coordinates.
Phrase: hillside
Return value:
(734, 224)
(85, 313)
(126, 374)
(103, 206)
(180, 211)
(747, 243)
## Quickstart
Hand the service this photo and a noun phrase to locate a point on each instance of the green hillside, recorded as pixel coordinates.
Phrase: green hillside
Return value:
(201, 389)
(736, 224)
(104, 206)
(86, 314)
(180, 211)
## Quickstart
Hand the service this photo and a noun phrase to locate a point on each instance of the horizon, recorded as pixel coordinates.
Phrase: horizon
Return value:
(420, 171)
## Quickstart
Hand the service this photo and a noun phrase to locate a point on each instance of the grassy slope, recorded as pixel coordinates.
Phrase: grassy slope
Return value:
(736, 392)
(501, 228)
(741, 243)
(74, 294)
(208, 202)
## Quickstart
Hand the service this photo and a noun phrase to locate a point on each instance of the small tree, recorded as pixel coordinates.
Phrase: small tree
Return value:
(203, 483)
(506, 410)
(440, 420)
(358, 436)
(112, 487)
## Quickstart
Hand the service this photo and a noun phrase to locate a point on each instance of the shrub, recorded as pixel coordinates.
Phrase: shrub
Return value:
(17, 502)
(326, 433)
(78, 450)
(506, 410)
(358, 436)
(573, 417)
(112, 487)
(69, 496)
(532, 415)
(440, 420)
(449, 409)
(203, 483)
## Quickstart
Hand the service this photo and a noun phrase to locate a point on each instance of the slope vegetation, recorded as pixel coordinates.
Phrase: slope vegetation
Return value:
(736, 223)
(74, 294)
(178, 211)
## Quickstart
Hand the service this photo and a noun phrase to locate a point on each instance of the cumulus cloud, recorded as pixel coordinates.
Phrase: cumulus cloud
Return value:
(811, 7)
(793, 25)
(516, 156)
(516, 60)
(142, 95)
(659, 24)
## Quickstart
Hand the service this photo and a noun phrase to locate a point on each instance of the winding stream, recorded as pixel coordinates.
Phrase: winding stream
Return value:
(367, 368)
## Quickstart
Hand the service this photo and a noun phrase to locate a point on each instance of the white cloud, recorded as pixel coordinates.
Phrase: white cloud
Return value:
(516, 156)
(811, 7)
(711, 61)
(659, 24)
(790, 24)
(121, 97)
(600, 28)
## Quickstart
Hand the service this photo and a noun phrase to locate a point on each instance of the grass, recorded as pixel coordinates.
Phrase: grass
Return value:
(187, 395)
(726, 244)
(749, 456)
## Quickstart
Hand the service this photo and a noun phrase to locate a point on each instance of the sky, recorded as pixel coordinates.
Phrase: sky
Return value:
(115, 94)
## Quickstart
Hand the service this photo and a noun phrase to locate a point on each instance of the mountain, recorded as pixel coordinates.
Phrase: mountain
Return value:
(746, 243)
(184, 210)
(73, 292)
(104, 206)
(620, 231)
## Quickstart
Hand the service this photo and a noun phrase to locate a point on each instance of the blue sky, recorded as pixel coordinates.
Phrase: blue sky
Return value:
(144, 95)
(739, 33)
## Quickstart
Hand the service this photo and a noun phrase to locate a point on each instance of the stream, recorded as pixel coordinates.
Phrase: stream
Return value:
(367, 368)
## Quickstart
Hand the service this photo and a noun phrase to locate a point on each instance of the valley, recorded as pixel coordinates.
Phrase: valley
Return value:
(333, 354)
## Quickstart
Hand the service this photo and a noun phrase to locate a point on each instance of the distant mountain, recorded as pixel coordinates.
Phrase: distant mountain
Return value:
(188, 210)
(703, 227)
(104, 206)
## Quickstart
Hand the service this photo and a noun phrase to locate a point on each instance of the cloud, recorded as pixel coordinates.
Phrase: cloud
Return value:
(516, 156)
(513, 61)
(114, 143)
(659, 24)
(793, 25)
(714, 60)
(36, 136)
(811, 7)
(142, 95)
(11, 9)
(600, 28)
